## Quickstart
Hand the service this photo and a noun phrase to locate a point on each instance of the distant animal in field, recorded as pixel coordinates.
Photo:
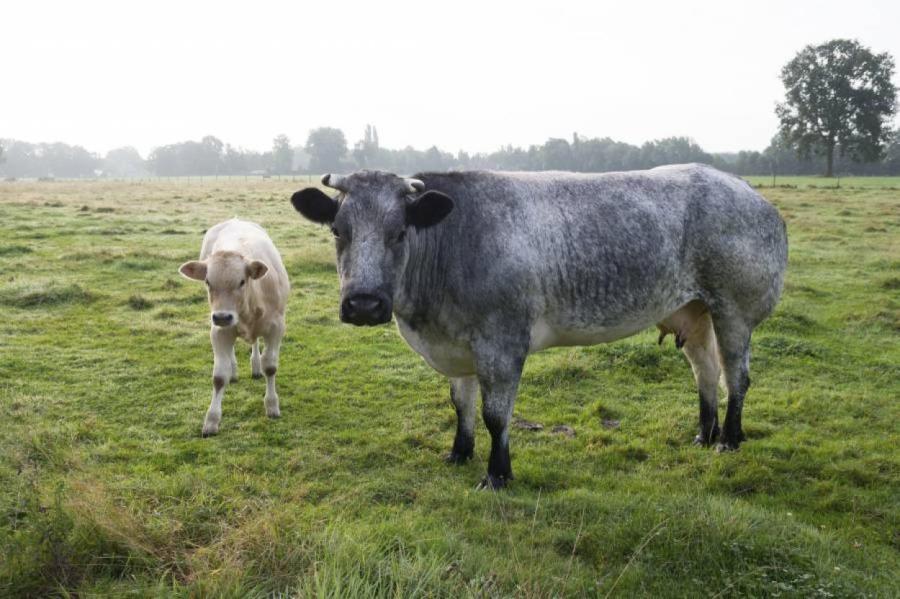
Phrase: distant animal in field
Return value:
(483, 268)
(248, 290)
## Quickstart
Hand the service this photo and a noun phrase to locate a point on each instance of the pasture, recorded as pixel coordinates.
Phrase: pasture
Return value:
(107, 488)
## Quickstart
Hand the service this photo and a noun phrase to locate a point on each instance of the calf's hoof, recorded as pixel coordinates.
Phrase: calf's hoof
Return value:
(210, 431)
(492, 482)
(458, 457)
(257, 375)
(272, 409)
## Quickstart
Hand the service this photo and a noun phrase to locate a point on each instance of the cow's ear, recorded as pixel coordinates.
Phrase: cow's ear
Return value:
(428, 209)
(315, 205)
(257, 269)
(194, 269)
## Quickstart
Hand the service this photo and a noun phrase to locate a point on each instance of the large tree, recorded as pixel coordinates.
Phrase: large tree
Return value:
(282, 155)
(327, 147)
(838, 96)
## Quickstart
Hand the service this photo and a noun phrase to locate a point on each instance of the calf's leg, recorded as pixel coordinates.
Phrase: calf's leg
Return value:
(234, 367)
(270, 367)
(223, 351)
(255, 361)
(463, 393)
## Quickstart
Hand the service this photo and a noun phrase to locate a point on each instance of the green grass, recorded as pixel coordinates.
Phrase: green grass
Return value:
(107, 488)
(883, 183)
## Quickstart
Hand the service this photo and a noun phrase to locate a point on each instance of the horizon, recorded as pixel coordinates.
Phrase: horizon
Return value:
(300, 145)
(148, 75)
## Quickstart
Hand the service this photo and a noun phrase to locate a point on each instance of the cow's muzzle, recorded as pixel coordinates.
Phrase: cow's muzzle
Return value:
(366, 309)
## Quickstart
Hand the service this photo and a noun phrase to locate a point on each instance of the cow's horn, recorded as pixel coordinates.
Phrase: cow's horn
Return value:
(333, 181)
(414, 185)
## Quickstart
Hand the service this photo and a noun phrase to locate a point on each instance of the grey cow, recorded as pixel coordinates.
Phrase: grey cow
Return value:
(483, 268)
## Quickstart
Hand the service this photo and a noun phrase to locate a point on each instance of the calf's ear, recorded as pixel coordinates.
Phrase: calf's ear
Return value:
(428, 209)
(257, 269)
(194, 269)
(315, 205)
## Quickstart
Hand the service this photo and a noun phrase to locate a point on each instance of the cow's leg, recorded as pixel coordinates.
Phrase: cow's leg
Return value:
(270, 367)
(223, 349)
(255, 361)
(499, 370)
(463, 393)
(733, 338)
(701, 351)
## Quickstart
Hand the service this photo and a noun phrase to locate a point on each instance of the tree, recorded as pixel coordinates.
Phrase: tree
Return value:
(124, 162)
(838, 95)
(557, 155)
(207, 158)
(366, 151)
(282, 155)
(327, 147)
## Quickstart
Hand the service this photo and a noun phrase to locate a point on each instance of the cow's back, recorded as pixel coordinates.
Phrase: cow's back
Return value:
(590, 251)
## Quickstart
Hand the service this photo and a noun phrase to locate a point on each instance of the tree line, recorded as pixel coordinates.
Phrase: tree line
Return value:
(839, 102)
(327, 150)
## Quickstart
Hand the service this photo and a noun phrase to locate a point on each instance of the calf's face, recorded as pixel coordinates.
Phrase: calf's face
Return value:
(226, 275)
(369, 219)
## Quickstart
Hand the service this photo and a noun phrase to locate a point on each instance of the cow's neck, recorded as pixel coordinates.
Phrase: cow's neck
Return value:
(420, 289)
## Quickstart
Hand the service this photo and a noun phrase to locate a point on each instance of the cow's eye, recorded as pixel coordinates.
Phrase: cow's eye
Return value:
(401, 236)
(242, 283)
(334, 232)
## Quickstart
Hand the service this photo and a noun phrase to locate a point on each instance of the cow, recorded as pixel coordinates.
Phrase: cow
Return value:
(482, 268)
(248, 289)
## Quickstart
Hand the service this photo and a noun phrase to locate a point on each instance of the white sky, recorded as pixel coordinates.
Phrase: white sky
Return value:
(458, 74)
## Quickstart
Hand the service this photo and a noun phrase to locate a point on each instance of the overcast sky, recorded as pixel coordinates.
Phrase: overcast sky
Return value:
(458, 74)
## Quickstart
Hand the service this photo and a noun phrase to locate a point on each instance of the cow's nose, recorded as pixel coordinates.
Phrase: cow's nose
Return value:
(365, 308)
(222, 319)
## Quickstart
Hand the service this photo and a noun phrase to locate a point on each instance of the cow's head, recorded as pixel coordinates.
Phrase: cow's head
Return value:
(226, 275)
(370, 218)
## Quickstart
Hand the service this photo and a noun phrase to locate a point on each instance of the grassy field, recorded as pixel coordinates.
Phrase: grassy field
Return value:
(107, 488)
(882, 183)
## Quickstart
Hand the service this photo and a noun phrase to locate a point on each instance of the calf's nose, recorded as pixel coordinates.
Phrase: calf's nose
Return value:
(222, 319)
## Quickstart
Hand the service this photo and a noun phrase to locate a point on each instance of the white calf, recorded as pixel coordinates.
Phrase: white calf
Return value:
(248, 291)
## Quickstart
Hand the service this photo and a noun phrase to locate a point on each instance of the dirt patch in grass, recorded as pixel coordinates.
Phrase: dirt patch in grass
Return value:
(45, 296)
(893, 283)
(14, 250)
(138, 302)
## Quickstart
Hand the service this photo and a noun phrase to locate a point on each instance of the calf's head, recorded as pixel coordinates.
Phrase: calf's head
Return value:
(226, 275)
(370, 218)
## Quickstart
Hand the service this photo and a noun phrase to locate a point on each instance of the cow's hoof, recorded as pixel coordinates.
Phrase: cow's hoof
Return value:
(706, 440)
(724, 446)
(209, 431)
(492, 483)
(458, 457)
(257, 375)
(273, 414)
